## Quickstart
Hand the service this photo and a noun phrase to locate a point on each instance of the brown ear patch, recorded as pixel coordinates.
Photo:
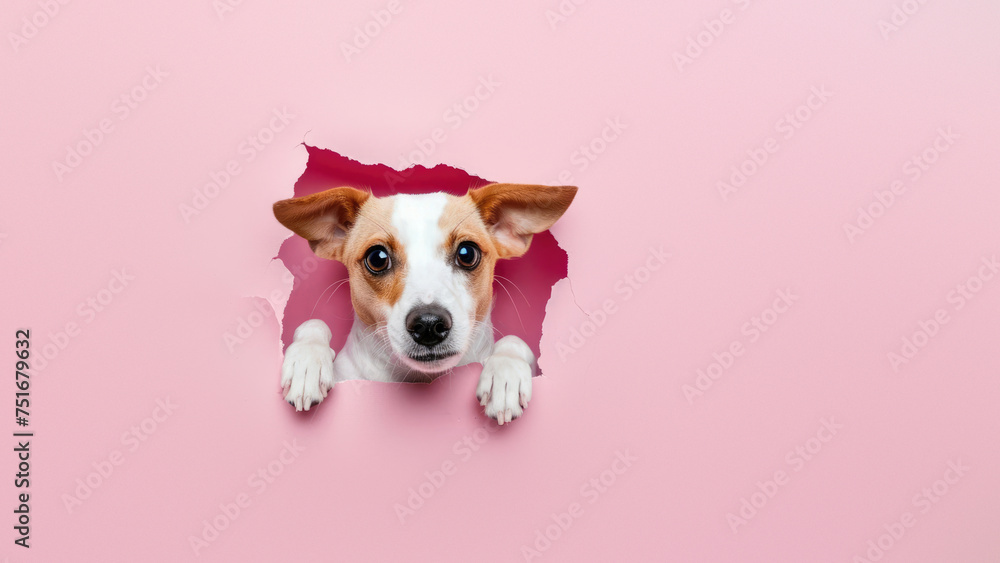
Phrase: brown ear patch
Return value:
(515, 212)
(323, 218)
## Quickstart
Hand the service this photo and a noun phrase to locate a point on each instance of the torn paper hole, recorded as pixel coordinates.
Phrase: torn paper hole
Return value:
(521, 286)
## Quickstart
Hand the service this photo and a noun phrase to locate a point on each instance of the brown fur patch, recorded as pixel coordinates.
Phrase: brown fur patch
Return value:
(372, 295)
(461, 221)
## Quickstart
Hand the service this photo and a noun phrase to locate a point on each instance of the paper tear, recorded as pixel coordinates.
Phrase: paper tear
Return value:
(522, 286)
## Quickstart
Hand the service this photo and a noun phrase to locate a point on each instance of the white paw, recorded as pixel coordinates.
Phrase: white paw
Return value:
(307, 371)
(505, 383)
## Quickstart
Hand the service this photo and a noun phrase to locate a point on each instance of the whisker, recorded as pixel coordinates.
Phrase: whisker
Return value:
(341, 282)
(366, 216)
(466, 217)
(511, 282)
(518, 313)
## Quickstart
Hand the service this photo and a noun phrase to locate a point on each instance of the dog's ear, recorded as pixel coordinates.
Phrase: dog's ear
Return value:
(323, 218)
(515, 212)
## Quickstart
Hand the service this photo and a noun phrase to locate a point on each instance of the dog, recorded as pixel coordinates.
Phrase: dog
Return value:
(420, 270)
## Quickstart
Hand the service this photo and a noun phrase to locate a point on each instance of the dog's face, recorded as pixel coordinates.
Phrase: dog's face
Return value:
(421, 266)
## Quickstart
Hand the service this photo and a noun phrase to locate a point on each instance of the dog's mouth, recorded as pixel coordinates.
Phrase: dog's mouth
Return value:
(432, 357)
(431, 362)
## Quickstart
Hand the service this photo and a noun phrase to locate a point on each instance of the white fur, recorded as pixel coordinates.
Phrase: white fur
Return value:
(311, 367)
(505, 383)
(307, 371)
(430, 277)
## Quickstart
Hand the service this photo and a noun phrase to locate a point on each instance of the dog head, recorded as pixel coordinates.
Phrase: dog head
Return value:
(421, 265)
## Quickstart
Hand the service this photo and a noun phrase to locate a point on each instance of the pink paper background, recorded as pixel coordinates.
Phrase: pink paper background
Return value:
(543, 92)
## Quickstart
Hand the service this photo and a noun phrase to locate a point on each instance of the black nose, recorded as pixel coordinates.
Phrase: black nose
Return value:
(428, 325)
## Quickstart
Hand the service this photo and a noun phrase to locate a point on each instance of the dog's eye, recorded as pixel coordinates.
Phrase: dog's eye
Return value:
(377, 260)
(467, 256)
